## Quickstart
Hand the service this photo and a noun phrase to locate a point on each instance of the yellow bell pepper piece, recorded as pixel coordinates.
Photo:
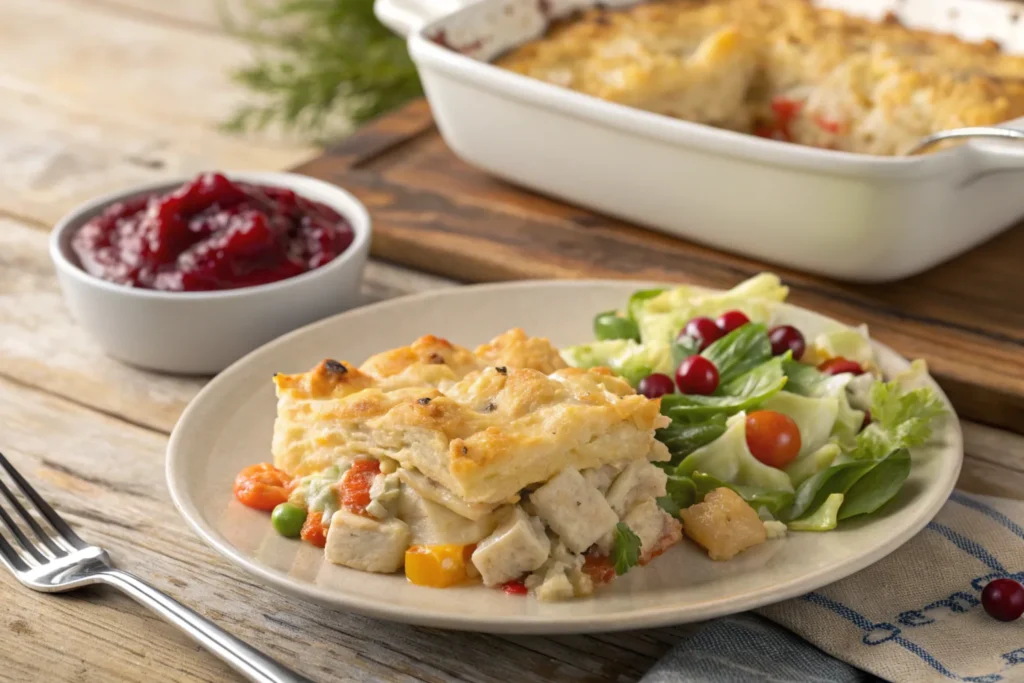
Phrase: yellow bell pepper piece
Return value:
(437, 566)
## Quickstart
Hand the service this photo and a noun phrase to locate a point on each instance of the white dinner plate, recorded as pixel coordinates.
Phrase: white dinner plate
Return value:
(229, 425)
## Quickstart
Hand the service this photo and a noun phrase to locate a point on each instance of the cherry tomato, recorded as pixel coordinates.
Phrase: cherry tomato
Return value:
(773, 438)
(731, 320)
(697, 375)
(704, 330)
(837, 366)
(262, 486)
(354, 486)
(313, 530)
(787, 338)
(655, 385)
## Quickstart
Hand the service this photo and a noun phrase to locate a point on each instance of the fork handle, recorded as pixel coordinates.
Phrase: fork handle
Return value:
(241, 657)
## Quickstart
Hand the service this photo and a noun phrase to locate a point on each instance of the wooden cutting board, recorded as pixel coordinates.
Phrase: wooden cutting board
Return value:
(434, 213)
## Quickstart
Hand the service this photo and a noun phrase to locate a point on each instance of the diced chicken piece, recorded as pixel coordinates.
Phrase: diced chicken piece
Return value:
(556, 586)
(574, 509)
(724, 524)
(656, 529)
(639, 481)
(600, 477)
(367, 544)
(561, 577)
(516, 547)
(433, 524)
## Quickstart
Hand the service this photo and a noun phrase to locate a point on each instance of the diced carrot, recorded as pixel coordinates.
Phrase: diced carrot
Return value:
(354, 486)
(437, 566)
(262, 486)
(600, 568)
(313, 530)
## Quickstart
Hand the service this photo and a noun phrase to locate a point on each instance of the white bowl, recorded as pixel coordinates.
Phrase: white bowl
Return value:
(204, 332)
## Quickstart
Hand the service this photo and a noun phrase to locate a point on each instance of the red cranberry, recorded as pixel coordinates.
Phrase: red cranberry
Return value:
(867, 419)
(1003, 599)
(787, 338)
(697, 375)
(731, 320)
(655, 385)
(515, 587)
(704, 330)
(837, 366)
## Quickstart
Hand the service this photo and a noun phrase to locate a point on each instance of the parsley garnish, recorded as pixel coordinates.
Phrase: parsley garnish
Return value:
(626, 552)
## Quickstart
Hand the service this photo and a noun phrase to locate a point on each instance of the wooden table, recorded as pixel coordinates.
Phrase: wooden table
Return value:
(96, 94)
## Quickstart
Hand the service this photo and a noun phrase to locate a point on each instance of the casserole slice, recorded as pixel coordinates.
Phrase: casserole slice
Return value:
(430, 457)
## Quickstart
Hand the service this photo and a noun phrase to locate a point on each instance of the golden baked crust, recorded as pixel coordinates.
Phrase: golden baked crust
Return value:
(484, 437)
(780, 68)
(518, 350)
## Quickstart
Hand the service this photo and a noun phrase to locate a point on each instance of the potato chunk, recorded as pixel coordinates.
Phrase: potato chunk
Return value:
(723, 524)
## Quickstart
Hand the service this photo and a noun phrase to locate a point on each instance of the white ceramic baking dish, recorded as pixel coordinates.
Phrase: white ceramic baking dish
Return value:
(849, 216)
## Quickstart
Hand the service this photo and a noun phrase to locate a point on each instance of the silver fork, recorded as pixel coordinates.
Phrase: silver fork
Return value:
(57, 560)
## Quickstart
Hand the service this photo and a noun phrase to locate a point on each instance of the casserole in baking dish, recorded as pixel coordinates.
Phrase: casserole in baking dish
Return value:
(853, 216)
(784, 69)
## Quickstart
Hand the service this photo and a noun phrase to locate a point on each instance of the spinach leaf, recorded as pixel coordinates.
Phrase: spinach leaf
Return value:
(683, 438)
(878, 486)
(741, 393)
(837, 478)
(739, 352)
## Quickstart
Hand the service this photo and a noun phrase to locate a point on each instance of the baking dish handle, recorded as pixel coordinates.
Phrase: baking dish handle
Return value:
(405, 16)
(1001, 155)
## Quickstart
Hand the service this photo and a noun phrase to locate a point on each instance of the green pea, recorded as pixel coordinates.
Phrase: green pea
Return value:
(288, 519)
(609, 325)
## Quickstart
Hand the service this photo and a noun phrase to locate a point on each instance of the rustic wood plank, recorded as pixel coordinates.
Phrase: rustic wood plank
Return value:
(41, 345)
(202, 15)
(435, 213)
(55, 155)
(125, 67)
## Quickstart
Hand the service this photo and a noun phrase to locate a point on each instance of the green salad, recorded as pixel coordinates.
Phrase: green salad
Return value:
(805, 430)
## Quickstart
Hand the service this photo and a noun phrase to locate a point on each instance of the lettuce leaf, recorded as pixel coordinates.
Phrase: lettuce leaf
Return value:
(729, 460)
(661, 314)
(901, 417)
(627, 358)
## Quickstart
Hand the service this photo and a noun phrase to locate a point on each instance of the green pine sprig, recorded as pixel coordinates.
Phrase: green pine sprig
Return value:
(321, 66)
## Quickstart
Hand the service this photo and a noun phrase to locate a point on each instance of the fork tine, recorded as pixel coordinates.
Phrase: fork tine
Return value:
(42, 506)
(28, 545)
(36, 529)
(10, 557)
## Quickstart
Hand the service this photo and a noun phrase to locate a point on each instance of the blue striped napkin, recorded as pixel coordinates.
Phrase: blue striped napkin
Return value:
(915, 615)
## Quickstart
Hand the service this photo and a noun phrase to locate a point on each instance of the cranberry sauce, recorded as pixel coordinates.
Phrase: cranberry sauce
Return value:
(211, 233)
